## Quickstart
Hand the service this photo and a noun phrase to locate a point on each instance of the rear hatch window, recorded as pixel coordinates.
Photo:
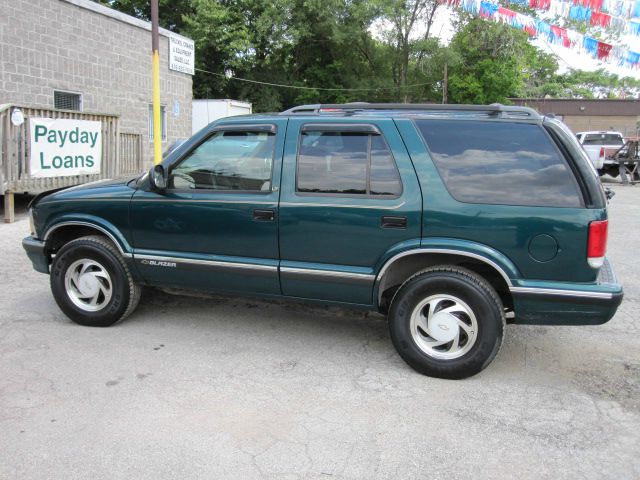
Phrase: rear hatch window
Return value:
(602, 139)
(500, 163)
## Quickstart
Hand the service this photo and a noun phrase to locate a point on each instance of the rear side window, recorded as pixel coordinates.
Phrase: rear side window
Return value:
(602, 139)
(346, 163)
(500, 163)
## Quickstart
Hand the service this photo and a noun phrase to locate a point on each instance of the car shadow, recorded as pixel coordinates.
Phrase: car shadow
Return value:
(211, 312)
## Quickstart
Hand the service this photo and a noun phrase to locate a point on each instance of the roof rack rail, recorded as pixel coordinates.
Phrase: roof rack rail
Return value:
(496, 109)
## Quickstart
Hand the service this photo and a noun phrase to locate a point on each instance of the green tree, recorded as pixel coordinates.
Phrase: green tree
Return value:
(221, 40)
(410, 23)
(170, 12)
(329, 45)
(598, 84)
(277, 42)
(496, 63)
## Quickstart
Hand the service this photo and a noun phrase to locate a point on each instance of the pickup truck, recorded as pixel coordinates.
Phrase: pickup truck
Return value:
(449, 219)
(598, 146)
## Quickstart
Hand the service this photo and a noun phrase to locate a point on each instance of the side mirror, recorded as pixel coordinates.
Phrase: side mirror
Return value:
(158, 178)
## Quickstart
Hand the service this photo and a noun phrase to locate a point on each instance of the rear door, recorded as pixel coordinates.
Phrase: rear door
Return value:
(349, 198)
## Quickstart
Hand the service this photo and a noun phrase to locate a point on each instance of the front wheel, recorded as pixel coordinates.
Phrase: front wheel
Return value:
(91, 283)
(447, 322)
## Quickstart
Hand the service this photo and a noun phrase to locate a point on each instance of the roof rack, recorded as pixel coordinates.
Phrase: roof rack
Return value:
(495, 109)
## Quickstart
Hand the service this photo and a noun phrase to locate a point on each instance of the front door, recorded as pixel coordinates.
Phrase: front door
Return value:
(350, 198)
(215, 226)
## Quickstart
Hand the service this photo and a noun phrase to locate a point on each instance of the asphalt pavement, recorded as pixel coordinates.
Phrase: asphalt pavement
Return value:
(228, 388)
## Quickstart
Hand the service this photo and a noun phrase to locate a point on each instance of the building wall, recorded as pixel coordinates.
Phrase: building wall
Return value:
(48, 45)
(590, 114)
(626, 125)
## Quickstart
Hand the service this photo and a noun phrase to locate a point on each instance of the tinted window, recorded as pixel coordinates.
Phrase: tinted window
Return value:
(385, 179)
(231, 160)
(602, 139)
(346, 163)
(500, 163)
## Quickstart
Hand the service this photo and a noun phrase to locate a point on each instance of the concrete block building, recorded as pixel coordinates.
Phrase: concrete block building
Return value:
(79, 55)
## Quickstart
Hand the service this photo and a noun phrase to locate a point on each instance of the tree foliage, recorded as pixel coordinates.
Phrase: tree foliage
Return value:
(496, 63)
(361, 50)
(170, 12)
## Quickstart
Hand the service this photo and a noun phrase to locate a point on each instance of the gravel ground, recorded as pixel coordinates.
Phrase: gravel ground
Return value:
(219, 388)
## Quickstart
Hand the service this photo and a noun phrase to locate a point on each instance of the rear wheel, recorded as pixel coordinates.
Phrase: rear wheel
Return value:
(447, 322)
(91, 283)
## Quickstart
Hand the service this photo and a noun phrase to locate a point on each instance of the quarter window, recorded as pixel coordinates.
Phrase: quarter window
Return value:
(500, 163)
(385, 179)
(603, 139)
(346, 163)
(228, 161)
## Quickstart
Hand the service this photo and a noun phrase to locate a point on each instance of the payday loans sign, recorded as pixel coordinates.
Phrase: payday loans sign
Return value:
(63, 147)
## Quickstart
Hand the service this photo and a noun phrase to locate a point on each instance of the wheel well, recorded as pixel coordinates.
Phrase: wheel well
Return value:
(63, 235)
(405, 267)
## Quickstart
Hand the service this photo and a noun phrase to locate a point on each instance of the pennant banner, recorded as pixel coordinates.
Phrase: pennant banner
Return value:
(592, 11)
(615, 16)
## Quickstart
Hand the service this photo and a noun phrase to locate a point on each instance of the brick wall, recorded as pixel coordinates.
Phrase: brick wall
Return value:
(48, 45)
(627, 125)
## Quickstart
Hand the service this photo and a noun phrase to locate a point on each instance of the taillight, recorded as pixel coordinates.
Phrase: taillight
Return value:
(597, 243)
(602, 151)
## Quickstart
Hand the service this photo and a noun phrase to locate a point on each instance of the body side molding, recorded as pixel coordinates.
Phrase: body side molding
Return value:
(336, 274)
(207, 263)
(561, 293)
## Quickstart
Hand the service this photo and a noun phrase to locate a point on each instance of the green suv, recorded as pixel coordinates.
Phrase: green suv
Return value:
(450, 219)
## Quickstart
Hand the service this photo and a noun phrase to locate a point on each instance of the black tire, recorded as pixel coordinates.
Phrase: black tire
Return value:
(471, 292)
(124, 294)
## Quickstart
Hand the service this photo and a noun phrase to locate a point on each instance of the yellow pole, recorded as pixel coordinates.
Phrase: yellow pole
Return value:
(155, 67)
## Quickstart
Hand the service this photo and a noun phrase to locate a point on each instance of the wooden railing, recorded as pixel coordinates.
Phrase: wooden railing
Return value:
(121, 153)
(131, 160)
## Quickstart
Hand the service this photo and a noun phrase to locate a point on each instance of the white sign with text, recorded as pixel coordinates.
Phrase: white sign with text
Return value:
(181, 55)
(63, 147)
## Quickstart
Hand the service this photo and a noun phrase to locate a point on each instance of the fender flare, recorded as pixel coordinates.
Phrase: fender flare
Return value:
(507, 271)
(117, 238)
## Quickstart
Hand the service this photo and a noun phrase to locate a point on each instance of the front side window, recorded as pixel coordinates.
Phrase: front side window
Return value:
(500, 163)
(227, 161)
(346, 163)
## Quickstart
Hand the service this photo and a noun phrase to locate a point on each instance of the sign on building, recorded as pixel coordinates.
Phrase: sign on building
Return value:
(64, 147)
(181, 55)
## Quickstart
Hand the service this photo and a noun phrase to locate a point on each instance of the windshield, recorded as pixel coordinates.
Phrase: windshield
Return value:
(603, 139)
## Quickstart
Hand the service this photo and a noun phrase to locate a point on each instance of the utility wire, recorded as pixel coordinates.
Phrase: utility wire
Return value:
(556, 54)
(299, 87)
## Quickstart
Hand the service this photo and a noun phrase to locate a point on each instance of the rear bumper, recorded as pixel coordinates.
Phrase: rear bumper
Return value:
(36, 253)
(545, 303)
